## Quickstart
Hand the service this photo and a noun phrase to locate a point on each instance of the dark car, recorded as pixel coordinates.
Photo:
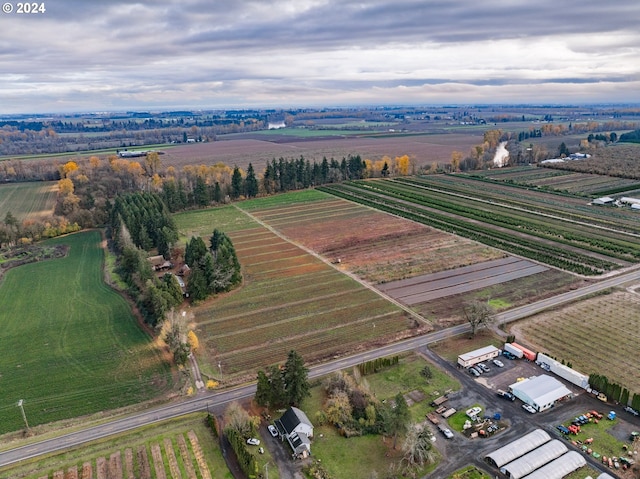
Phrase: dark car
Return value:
(562, 429)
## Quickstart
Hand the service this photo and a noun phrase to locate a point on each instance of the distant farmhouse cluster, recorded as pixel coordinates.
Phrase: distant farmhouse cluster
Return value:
(571, 157)
(625, 201)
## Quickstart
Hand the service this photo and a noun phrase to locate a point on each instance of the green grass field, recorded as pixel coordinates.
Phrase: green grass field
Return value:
(34, 200)
(70, 345)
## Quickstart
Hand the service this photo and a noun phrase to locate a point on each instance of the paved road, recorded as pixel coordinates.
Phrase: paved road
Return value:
(214, 400)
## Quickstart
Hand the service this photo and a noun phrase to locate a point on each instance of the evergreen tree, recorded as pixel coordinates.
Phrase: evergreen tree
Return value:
(295, 376)
(197, 284)
(195, 251)
(236, 183)
(397, 418)
(251, 183)
(263, 390)
(278, 391)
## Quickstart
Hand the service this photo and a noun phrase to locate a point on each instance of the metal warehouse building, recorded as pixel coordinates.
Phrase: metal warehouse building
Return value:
(541, 392)
(518, 448)
(474, 357)
(560, 467)
(533, 460)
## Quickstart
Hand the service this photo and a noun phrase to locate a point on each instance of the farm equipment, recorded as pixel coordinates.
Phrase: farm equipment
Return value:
(611, 416)
(574, 429)
(595, 414)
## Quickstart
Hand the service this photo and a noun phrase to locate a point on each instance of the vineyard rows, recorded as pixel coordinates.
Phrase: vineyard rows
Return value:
(170, 465)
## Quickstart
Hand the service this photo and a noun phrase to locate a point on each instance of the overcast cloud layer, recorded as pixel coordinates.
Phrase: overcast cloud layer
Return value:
(87, 55)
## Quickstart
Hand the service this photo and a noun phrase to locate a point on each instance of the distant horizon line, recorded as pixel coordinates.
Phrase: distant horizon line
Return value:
(159, 110)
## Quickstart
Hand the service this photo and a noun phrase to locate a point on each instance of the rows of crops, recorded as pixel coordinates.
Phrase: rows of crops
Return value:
(598, 335)
(570, 208)
(552, 227)
(490, 226)
(584, 184)
(289, 300)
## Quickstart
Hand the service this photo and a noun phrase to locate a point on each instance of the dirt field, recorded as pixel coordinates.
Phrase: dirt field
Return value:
(423, 149)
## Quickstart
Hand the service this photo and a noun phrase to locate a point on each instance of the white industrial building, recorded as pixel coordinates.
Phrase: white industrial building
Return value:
(541, 392)
(518, 448)
(565, 372)
(533, 460)
(477, 356)
(560, 467)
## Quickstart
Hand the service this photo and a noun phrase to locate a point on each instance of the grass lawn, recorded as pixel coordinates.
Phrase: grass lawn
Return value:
(459, 418)
(451, 348)
(470, 472)
(70, 345)
(603, 442)
(146, 436)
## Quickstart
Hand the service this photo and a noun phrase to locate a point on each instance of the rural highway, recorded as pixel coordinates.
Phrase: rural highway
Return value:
(212, 400)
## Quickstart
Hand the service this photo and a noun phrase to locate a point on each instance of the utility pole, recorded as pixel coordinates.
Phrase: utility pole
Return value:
(24, 416)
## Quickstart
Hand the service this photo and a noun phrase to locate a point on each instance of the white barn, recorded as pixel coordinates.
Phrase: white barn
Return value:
(541, 392)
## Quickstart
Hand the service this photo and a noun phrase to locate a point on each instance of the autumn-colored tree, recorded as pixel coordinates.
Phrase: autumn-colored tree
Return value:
(456, 158)
(67, 168)
(403, 164)
(65, 186)
(193, 341)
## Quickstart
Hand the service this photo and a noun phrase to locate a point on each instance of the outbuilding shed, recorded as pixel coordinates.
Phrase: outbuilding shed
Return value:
(533, 460)
(560, 467)
(518, 448)
(477, 356)
(541, 392)
(604, 200)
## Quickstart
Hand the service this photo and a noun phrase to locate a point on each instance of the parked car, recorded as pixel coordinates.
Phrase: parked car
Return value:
(272, 430)
(498, 363)
(508, 355)
(506, 395)
(483, 367)
(477, 369)
(253, 441)
(447, 433)
(629, 409)
(529, 408)
(562, 429)
(473, 372)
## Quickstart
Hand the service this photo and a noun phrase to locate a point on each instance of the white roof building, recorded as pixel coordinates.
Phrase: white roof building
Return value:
(518, 448)
(477, 356)
(533, 460)
(565, 372)
(541, 392)
(560, 467)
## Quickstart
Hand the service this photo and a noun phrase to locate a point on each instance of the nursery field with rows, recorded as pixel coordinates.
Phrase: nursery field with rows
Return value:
(598, 335)
(289, 299)
(70, 344)
(579, 243)
(177, 449)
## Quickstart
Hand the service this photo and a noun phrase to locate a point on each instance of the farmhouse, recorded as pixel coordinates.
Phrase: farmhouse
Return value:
(295, 427)
(158, 263)
(541, 392)
(477, 356)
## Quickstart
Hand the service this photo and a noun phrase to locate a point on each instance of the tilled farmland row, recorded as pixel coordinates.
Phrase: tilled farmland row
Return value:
(148, 458)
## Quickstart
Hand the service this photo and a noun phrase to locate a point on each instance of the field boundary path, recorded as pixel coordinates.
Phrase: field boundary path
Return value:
(421, 319)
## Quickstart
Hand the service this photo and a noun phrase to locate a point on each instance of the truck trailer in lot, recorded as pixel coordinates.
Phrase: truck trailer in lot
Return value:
(565, 372)
(527, 353)
(508, 347)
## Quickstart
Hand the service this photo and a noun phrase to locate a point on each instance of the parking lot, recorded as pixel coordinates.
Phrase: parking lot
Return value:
(459, 450)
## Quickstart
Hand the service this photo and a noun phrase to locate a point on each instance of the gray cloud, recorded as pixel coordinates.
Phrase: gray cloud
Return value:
(199, 53)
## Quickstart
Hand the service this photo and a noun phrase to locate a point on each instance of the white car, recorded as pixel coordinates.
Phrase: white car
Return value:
(447, 433)
(253, 441)
(498, 363)
(529, 408)
(272, 430)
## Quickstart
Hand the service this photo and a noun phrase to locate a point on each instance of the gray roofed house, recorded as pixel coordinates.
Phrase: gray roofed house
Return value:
(295, 427)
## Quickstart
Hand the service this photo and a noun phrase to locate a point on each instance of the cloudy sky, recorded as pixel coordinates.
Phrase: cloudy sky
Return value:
(88, 55)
